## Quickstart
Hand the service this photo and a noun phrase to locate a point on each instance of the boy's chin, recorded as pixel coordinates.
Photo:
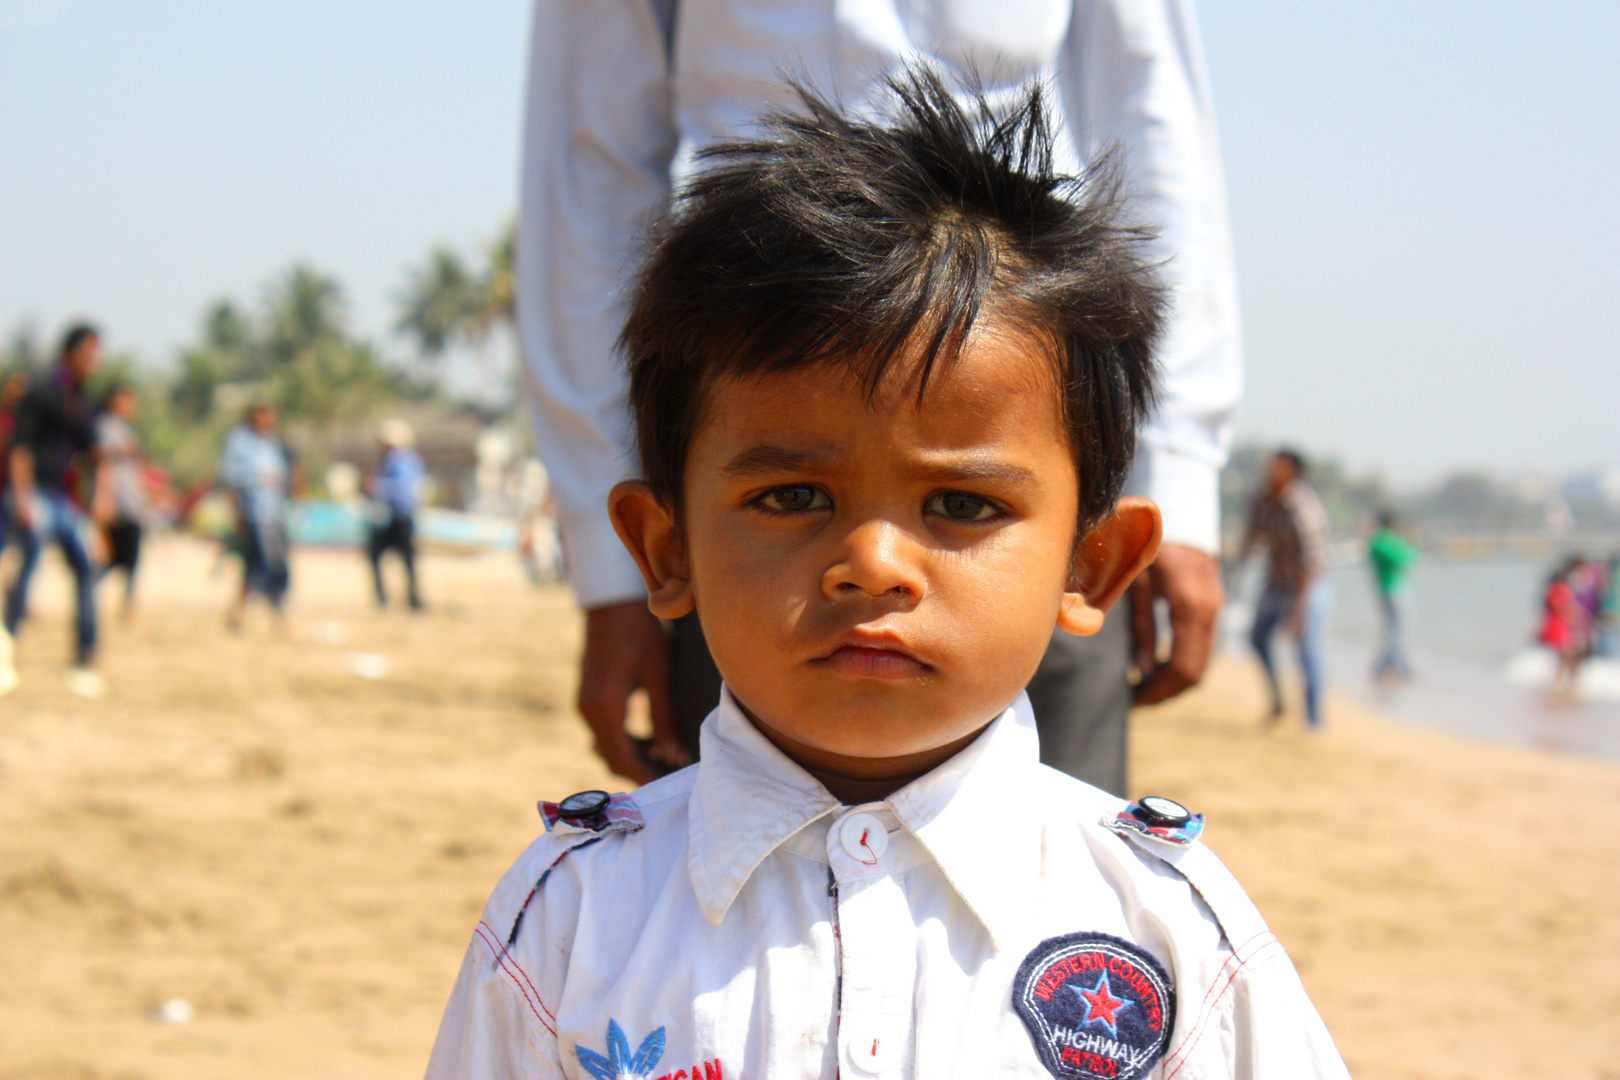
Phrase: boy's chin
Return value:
(880, 724)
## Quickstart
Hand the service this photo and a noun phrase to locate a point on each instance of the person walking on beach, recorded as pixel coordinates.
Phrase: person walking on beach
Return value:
(1392, 556)
(397, 489)
(121, 505)
(255, 470)
(1287, 517)
(53, 431)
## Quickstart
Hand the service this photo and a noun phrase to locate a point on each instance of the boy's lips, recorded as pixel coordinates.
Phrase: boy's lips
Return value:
(873, 659)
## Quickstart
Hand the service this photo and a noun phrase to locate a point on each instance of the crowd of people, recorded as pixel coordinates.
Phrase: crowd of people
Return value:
(72, 475)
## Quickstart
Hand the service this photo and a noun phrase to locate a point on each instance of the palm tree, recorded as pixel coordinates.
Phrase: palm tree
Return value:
(441, 303)
(445, 302)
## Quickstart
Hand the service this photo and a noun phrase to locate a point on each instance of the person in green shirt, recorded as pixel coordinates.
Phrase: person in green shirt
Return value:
(1392, 556)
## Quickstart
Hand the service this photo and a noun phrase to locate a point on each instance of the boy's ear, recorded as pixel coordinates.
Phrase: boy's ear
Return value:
(1107, 561)
(648, 529)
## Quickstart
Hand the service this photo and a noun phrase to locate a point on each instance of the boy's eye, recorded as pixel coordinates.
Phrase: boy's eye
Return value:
(794, 499)
(962, 507)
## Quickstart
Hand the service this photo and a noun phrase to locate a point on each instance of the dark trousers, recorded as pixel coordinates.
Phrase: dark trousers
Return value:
(1081, 694)
(397, 534)
(264, 560)
(123, 551)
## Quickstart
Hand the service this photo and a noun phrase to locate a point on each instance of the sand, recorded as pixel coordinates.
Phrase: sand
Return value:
(299, 851)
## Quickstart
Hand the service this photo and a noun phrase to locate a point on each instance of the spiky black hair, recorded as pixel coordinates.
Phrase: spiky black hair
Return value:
(830, 238)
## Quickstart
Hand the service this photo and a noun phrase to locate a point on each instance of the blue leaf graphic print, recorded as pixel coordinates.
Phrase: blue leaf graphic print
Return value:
(618, 1049)
(595, 1064)
(652, 1048)
(619, 1063)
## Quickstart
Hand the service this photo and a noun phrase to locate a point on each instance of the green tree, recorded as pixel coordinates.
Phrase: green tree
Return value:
(224, 354)
(445, 302)
(441, 302)
(315, 371)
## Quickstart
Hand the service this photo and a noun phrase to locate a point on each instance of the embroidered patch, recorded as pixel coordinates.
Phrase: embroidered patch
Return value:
(1097, 1008)
(619, 1063)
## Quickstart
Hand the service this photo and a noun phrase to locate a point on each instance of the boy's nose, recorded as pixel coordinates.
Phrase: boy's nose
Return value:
(875, 561)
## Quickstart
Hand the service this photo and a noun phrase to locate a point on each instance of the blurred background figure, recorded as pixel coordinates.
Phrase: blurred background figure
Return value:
(396, 490)
(121, 504)
(255, 471)
(1577, 618)
(1287, 517)
(1391, 556)
(1608, 634)
(52, 432)
(1565, 625)
(539, 549)
(11, 395)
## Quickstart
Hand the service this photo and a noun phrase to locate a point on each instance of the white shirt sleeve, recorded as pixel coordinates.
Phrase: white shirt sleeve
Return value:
(1135, 76)
(1274, 1031)
(490, 1030)
(596, 154)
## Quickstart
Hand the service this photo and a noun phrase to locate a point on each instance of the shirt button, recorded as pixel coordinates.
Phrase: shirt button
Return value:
(864, 837)
(872, 1054)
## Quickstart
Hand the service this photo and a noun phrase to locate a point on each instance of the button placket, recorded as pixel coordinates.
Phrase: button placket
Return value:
(877, 945)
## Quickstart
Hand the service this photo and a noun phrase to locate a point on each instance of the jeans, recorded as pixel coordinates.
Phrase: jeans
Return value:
(264, 559)
(1276, 606)
(1392, 658)
(56, 519)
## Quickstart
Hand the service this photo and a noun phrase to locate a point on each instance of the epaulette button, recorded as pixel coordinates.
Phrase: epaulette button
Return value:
(1159, 811)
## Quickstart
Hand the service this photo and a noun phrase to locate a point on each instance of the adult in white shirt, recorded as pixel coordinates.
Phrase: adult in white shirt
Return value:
(621, 95)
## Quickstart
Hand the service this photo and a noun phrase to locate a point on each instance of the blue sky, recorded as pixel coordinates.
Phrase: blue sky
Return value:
(1422, 194)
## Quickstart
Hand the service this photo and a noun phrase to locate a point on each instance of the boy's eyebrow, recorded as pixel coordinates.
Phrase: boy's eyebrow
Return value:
(758, 460)
(765, 460)
(984, 469)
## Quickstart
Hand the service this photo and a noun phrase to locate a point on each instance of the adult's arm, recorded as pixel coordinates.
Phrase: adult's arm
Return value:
(597, 147)
(1134, 77)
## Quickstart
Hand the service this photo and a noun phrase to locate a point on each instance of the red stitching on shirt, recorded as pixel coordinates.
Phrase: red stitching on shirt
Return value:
(507, 953)
(506, 966)
(1237, 951)
(1217, 990)
(1197, 1033)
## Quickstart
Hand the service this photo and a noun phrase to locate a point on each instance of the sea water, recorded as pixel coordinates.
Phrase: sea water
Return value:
(1470, 637)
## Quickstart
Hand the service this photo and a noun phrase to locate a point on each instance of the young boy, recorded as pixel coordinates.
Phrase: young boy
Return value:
(886, 381)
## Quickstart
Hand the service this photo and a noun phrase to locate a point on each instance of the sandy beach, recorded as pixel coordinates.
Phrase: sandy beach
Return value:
(295, 835)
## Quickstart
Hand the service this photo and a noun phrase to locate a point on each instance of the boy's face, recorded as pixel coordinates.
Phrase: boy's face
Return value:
(879, 579)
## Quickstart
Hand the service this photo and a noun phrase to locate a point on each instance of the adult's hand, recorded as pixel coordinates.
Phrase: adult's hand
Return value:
(625, 651)
(1190, 580)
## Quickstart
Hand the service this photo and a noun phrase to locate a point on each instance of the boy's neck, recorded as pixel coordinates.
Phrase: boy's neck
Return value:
(856, 780)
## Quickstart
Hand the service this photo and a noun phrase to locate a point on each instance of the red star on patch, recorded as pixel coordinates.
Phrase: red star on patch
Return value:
(1102, 1007)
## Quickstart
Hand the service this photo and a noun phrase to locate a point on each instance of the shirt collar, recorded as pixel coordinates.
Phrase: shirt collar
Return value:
(749, 798)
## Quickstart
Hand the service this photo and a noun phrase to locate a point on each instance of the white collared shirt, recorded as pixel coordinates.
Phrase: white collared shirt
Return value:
(622, 93)
(734, 921)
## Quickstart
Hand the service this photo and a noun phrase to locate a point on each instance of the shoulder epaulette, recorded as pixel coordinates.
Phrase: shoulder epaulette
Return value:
(576, 822)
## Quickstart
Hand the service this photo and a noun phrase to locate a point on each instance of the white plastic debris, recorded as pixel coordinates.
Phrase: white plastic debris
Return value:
(368, 665)
(331, 632)
(176, 1011)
